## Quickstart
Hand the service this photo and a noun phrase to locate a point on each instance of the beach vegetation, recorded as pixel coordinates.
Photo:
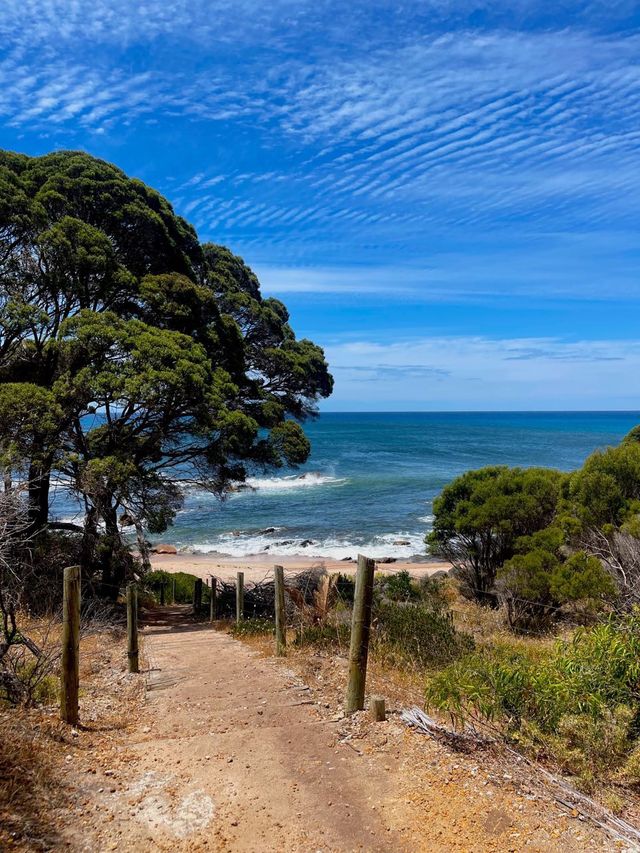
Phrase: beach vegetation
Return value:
(182, 582)
(575, 702)
(479, 517)
(134, 361)
(416, 635)
(543, 577)
(255, 627)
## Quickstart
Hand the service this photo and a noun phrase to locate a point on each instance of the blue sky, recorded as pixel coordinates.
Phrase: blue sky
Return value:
(445, 194)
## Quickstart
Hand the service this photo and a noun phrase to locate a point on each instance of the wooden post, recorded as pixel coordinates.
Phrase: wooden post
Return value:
(197, 596)
(213, 600)
(239, 597)
(70, 672)
(162, 586)
(132, 627)
(173, 590)
(377, 709)
(360, 628)
(281, 616)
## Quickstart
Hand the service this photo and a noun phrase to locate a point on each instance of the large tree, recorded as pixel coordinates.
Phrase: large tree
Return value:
(130, 355)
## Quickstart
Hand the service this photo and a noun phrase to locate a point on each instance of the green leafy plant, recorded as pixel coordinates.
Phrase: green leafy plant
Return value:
(417, 634)
(567, 701)
(252, 627)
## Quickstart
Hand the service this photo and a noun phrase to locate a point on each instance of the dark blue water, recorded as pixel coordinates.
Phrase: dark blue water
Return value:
(372, 478)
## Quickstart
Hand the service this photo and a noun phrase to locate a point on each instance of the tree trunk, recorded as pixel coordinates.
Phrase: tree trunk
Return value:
(114, 556)
(88, 547)
(39, 483)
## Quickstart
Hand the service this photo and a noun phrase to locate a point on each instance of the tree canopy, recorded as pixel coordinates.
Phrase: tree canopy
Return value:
(538, 539)
(480, 515)
(132, 356)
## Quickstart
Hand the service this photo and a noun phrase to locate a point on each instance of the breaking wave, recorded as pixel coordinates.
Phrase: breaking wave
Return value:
(307, 480)
(246, 544)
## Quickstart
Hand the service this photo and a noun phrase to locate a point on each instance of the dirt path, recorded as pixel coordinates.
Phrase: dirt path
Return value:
(235, 753)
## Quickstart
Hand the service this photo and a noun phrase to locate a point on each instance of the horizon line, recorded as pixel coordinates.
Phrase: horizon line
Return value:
(479, 412)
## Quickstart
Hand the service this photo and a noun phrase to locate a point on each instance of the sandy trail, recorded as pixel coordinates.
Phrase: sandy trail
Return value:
(238, 757)
(233, 752)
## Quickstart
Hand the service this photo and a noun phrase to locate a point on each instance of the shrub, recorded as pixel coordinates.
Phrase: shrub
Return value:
(417, 634)
(397, 587)
(535, 584)
(184, 585)
(436, 593)
(338, 634)
(577, 701)
(345, 588)
(480, 515)
(252, 627)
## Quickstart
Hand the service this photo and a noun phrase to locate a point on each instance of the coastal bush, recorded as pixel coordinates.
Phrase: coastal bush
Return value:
(252, 628)
(184, 585)
(576, 701)
(539, 580)
(604, 499)
(329, 634)
(436, 593)
(480, 515)
(345, 588)
(417, 634)
(397, 587)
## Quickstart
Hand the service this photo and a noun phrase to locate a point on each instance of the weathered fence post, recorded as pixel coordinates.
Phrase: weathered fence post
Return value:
(360, 628)
(173, 590)
(239, 597)
(377, 708)
(162, 586)
(197, 596)
(132, 628)
(281, 616)
(213, 599)
(70, 671)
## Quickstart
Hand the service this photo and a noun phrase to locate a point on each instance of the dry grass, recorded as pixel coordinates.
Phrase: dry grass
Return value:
(40, 757)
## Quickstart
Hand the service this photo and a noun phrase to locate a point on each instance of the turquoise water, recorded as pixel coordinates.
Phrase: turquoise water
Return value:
(371, 480)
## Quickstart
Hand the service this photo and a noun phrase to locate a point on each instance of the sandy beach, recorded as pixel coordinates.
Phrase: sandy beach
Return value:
(257, 567)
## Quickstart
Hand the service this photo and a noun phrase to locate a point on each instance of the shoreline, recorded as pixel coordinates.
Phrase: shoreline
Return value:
(257, 566)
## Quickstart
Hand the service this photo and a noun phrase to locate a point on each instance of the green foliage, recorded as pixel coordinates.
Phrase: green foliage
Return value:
(108, 303)
(345, 588)
(539, 580)
(397, 587)
(416, 634)
(606, 490)
(633, 436)
(324, 635)
(436, 593)
(479, 517)
(252, 628)
(184, 584)
(577, 701)
(581, 577)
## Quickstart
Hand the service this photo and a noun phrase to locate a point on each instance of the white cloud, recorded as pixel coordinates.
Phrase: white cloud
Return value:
(476, 373)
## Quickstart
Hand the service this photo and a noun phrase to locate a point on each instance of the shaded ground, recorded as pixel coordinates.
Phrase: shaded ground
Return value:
(234, 752)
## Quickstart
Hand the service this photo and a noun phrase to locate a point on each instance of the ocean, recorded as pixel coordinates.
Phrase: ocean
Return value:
(372, 477)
